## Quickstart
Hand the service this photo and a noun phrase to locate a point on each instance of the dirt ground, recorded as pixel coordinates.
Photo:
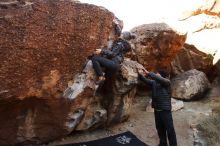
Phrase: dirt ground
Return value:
(141, 123)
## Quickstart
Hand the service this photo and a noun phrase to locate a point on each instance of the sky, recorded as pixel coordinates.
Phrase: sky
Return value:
(138, 12)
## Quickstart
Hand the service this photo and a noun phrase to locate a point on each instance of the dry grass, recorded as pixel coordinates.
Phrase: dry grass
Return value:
(210, 129)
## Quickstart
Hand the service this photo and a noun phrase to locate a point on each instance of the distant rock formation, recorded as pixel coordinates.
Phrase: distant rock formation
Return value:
(209, 7)
(203, 26)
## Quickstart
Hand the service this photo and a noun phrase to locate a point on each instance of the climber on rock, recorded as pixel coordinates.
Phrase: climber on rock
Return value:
(109, 59)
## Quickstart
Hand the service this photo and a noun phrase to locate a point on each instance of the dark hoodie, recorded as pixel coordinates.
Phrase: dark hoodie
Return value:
(161, 91)
(117, 51)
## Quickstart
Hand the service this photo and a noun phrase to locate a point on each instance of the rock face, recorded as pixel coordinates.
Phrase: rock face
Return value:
(156, 45)
(105, 104)
(189, 85)
(190, 58)
(43, 45)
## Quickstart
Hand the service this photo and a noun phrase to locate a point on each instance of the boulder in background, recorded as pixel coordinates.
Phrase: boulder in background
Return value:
(156, 45)
(190, 58)
(189, 85)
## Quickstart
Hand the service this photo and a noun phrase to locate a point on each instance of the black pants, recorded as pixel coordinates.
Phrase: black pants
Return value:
(164, 126)
(110, 66)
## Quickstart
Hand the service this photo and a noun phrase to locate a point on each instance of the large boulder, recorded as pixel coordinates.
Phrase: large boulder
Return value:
(43, 45)
(104, 98)
(189, 85)
(156, 45)
(101, 105)
(189, 58)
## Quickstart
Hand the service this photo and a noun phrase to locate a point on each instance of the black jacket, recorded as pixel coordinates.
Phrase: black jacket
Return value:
(161, 91)
(116, 53)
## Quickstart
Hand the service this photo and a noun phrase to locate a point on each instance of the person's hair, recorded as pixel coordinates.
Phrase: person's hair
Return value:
(163, 73)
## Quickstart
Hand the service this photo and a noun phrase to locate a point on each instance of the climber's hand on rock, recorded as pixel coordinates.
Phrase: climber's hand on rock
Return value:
(98, 51)
(145, 71)
(142, 72)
